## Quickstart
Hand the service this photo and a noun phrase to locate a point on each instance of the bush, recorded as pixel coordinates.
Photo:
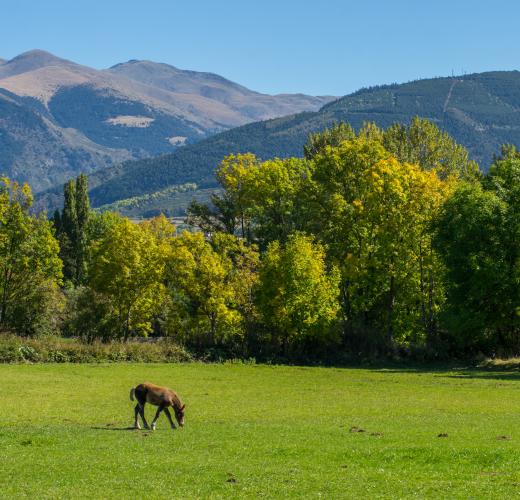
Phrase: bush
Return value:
(14, 349)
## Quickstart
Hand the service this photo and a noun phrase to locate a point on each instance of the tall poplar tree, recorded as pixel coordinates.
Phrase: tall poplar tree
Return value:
(72, 228)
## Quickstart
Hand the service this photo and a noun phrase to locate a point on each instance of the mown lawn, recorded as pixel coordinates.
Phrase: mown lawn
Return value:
(260, 431)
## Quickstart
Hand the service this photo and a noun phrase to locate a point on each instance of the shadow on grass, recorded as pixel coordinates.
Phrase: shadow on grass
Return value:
(482, 374)
(114, 428)
(504, 372)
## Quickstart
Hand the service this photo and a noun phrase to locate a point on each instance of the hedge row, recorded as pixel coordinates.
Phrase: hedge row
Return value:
(15, 349)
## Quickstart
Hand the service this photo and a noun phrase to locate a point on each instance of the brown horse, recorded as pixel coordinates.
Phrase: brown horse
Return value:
(158, 396)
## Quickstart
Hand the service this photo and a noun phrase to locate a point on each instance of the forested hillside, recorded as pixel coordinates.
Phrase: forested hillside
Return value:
(480, 111)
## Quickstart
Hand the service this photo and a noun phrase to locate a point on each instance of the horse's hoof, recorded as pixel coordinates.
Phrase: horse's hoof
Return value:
(153, 427)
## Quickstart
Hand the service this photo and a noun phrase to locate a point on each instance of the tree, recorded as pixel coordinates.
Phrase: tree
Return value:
(474, 240)
(72, 228)
(82, 221)
(220, 217)
(242, 277)
(30, 268)
(477, 235)
(206, 292)
(276, 195)
(333, 137)
(297, 297)
(423, 144)
(261, 201)
(127, 276)
(66, 230)
(374, 214)
(229, 210)
(232, 175)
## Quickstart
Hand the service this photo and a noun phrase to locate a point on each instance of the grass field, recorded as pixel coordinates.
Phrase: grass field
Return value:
(260, 431)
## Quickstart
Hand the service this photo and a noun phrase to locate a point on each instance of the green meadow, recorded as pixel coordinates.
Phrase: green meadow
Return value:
(260, 431)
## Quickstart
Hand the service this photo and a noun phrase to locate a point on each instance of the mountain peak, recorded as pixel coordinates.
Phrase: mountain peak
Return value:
(29, 61)
(145, 63)
(130, 61)
(36, 55)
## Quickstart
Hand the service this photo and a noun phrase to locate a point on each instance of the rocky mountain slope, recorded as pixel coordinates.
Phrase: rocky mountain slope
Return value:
(58, 118)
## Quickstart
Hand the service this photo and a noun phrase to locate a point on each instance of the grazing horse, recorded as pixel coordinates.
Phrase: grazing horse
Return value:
(158, 396)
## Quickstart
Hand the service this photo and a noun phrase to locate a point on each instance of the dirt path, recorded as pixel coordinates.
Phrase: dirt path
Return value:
(448, 97)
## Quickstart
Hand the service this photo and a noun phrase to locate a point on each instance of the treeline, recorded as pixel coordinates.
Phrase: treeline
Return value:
(376, 243)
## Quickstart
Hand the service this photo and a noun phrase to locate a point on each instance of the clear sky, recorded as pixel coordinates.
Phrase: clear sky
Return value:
(316, 47)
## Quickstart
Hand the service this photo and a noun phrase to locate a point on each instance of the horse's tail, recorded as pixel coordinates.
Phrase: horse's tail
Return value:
(132, 392)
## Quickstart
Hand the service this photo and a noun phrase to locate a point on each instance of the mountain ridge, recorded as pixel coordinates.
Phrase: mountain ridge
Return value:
(96, 118)
(481, 111)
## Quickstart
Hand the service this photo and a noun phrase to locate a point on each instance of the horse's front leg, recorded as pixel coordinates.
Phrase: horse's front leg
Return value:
(169, 415)
(159, 410)
(136, 419)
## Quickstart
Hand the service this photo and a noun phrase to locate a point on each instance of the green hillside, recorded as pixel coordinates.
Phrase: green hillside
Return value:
(171, 202)
(480, 111)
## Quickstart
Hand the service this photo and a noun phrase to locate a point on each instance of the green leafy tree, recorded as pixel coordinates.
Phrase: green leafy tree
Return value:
(477, 236)
(483, 294)
(30, 268)
(221, 216)
(83, 214)
(72, 228)
(126, 277)
(374, 214)
(297, 297)
(232, 175)
(207, 295)
(333, 136)
(243, 263)
(277, 196)
(261, 201)
(422, 143)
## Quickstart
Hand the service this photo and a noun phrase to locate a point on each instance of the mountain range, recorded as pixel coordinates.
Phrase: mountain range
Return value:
(59, 118)
(481, 111)
(150, 135)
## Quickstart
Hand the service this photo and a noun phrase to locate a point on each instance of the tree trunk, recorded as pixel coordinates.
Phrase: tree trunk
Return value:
(422, 287)
(390, 310)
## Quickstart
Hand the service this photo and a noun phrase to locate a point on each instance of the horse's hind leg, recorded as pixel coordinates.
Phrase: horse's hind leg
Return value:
(169, 415)
(141, 412)
(140, 395)
(136, 415)
(159, 410)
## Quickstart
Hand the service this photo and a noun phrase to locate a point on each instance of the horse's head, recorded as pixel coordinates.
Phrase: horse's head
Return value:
(179, 414)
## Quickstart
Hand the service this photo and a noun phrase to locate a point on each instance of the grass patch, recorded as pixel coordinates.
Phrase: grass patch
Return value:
(260, 431)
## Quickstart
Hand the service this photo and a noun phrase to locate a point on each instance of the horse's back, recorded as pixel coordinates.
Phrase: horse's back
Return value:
(156, 394)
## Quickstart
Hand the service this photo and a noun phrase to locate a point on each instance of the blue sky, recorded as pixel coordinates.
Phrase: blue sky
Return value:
(316, 47)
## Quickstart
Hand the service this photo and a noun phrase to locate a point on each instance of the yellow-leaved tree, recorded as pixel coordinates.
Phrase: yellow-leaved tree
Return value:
(209, 286)
(375, 215)
(125, 280)
(30, 268)
(297, 296)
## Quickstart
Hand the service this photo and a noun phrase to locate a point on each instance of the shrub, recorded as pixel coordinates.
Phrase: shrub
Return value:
(14, 349)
